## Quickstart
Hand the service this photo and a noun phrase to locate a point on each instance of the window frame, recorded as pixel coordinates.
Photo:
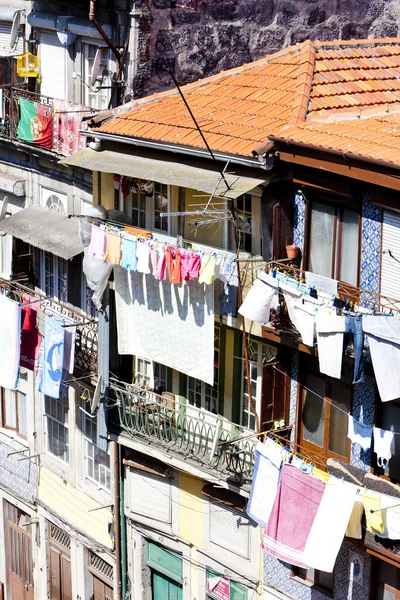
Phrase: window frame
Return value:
(149, 210)
(89, 445)
(322, 451)
(205, 389)
(56, 261)
(263, 351)
(338, 207)
(255, 234)
(86, 88)
(46, 417)
(153, 375)
(312, 581)
(16, 429)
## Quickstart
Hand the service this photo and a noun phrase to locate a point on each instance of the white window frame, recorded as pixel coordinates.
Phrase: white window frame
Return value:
(149, 210)
(255, 222)
(207, 394)
(257, 352)
(87, 92)
(55, 262)
(63, 402)
(89, 433)
(148, 373)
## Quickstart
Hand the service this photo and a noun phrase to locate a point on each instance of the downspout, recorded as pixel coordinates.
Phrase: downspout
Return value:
(124, 573)
(92, 19)
(117, 522)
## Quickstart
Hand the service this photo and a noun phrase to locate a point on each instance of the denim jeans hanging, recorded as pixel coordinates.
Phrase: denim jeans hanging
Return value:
(354, 331)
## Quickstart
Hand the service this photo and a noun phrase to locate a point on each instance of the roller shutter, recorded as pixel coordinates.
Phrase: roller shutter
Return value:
(390, 272)
(53, 71)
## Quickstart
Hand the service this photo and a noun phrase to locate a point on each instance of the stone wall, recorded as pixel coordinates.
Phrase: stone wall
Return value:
(223, 34)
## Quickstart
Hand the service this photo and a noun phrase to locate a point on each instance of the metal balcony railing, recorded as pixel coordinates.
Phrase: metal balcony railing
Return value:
(86, 339)
(191, 432)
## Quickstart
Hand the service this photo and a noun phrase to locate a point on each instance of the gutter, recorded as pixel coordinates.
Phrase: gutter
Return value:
(189, 151)
(345, 156)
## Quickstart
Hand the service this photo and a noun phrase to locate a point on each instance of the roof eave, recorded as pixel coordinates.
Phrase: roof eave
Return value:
(248, 161)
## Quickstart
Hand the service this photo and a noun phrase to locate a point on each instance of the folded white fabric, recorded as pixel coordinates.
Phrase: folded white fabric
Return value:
(384, 343)
(383, 441)
(257, 304)
(359, 433)
(330, 333)
(330, 524)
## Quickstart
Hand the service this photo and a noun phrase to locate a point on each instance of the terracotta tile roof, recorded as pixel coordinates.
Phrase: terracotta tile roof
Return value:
(343, 95)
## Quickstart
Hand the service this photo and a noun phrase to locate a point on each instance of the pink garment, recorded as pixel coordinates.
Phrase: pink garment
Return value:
(190, 265)
(158, 262)
(67, 122)
(292, 516)
(98, 243)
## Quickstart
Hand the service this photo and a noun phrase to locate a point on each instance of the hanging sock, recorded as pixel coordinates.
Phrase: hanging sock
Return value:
(383, 441)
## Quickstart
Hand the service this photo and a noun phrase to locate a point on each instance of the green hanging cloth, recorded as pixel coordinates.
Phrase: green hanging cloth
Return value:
(35, 124)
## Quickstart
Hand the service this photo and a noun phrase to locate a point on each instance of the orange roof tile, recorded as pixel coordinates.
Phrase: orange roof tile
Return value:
(340, 95)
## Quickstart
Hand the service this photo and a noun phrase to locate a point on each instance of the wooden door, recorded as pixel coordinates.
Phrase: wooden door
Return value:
(101, 590)
(165, 588)
(59, 545)
(20, 566)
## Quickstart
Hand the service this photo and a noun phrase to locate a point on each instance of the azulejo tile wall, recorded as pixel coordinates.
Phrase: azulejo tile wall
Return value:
(371, 233)
(293, 392)
(298, 219)
(363, 411)
(277, 575)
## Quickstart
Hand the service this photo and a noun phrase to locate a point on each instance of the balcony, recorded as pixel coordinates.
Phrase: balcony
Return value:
(283, 330)
(185, 430)
(86, 340)
(64, 137)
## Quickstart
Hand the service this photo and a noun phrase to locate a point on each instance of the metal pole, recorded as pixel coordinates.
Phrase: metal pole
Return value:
(117, 521)
(124, 569)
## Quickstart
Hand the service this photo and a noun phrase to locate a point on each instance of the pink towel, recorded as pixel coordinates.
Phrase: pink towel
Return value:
(296, 505)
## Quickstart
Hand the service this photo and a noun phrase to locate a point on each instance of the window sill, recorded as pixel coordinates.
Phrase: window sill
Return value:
(312, 586)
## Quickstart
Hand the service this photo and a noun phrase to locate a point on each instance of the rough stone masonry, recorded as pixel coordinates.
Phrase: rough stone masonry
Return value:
(223, 34)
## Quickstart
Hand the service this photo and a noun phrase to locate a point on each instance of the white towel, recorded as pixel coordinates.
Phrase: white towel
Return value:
(257, 304)
(359, 433)
(383, 441)
(330, 524)
(384, 344)
(391, 517)
(330, 332)
(10, 332)
(264, 486)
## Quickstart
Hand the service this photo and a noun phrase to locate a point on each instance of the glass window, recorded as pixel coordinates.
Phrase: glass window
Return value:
(97, 461)
(257, 353)
(244, 222)
(161, 205)
(314, 577)
(314, 410)
(56, 426)
(204, 395)
(98, 95)
(341, 399)
(14, 411)
(334, 242)
(55, 283)
(139, 209)
(388, 581)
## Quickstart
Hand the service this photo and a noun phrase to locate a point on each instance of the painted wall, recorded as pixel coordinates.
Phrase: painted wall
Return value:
(73, 506)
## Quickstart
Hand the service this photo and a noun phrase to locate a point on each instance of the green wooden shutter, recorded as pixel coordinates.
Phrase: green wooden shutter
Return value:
(165, 561)
(164, 588)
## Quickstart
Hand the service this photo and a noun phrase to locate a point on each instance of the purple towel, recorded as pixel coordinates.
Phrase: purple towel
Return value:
(296, 505)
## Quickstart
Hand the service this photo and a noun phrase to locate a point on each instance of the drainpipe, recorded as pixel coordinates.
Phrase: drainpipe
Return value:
(92, 19)
(117, 522)
(124, 571)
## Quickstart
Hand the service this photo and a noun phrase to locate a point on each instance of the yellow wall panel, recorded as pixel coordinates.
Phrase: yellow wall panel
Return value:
(107, 190)
(191, 510)
(73, 506)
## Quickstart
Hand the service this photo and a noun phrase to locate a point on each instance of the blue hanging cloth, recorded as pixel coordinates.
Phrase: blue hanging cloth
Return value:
(53, 356)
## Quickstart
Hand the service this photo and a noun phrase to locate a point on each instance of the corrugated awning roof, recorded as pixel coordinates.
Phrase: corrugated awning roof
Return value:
(45, 229)
(172, 173)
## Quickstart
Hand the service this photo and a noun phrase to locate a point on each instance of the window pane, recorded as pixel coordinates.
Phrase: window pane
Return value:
(322, 225)
(10, 417)
(324, 579)
(341, 397)
(22, 414)
(314, 410)
(349, 249)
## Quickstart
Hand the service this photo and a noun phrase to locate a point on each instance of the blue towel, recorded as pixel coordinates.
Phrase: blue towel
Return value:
(53, 357)
(128, 251)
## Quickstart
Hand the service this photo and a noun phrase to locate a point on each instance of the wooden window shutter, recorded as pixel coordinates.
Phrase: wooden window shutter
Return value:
(275, 393)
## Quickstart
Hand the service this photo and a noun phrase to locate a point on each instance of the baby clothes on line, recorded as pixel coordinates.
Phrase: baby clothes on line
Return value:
(143, 256)
(98, 243)
(190, 265)
(330, 332)
(173, 258)
(113, 252)
(128, 254)
(359, 433)
(158, 262)
(383, 441)
(207, 270)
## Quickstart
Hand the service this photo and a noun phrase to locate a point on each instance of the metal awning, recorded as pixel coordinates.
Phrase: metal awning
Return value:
(172, 173)
(46, 229)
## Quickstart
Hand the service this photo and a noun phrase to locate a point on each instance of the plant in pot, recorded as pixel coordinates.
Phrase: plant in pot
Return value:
(292, 251)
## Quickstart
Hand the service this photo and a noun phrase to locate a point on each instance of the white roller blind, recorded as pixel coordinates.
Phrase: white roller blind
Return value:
(229, 529)
(390, 275)
(53, 72)
(15, 203)
(5, 38)
(150, 496)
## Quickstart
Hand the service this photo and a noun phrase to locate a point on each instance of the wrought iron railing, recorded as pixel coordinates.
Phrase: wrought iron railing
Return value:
(191, 432)
(86, 339)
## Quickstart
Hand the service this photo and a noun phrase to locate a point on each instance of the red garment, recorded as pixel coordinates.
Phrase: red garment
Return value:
(174, 265)
(30, 336)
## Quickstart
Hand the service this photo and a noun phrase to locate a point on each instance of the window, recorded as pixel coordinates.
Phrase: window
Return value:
(56, 426)
(151, 375)
(149, 201)
(313, 577)
(334, 242)
(201, 394)
(55, 277)
(97, 461)
(218, 584)
(257, 353)
(14, 411)
(325, 404)
(54, 200)
(388, 581)
(95, 58)
(229, 529)
(244, 213)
